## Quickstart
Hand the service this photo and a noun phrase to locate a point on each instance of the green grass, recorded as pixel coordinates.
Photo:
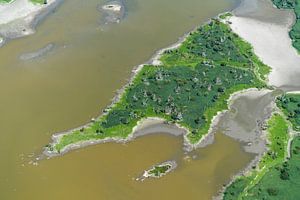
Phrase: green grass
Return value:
(225, 15)
(290, 104)
(157, 171)
(278, 136)
(193, 84)
(282, 181)
(295, 31)
(39, 1)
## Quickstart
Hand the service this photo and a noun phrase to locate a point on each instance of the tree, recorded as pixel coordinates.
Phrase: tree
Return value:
(284, 174)
(272, 191)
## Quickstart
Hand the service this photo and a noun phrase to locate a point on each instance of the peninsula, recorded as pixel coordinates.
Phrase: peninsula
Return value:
(187, 85)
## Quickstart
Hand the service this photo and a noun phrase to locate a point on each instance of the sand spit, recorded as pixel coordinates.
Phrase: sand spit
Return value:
(38, 53)
(157, 125)
(293, 92)
(146, 126)
(1, 41)
(19, 18)
(267, 30)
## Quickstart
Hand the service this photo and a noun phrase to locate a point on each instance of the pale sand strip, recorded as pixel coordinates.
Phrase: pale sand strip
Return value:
(272, 44)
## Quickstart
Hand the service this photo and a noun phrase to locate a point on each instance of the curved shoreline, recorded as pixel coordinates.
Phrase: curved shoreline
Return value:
(206, 140)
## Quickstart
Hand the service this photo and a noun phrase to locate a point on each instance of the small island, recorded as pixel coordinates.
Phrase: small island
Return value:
(158, 171)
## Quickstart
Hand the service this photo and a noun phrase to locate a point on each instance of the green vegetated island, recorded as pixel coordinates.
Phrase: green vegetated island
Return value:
(278, 174)
(158, 171)
(295, 31)
(189, 88)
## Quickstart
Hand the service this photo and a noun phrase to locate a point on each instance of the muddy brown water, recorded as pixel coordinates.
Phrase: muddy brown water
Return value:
(74, 82)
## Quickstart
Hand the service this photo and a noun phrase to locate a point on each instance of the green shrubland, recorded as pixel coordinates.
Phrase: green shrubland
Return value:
(157, 171)
(290, 104)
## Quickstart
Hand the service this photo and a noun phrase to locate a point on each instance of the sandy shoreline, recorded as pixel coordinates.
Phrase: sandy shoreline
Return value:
(20, 17)
(141, 130)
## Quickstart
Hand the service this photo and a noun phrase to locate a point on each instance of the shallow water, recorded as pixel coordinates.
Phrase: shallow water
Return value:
(108, 171)
(74, 82)
(246, 117)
